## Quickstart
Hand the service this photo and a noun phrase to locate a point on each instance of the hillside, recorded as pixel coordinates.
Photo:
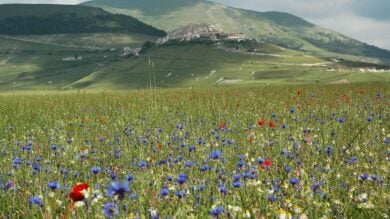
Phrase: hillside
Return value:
(273, 27)
(44, 64)
(27, 19)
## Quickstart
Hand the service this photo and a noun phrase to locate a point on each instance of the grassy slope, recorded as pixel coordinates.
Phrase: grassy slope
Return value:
(178, 67)
(275, 27)
(31, 62)
(32, 65)
(89, 41)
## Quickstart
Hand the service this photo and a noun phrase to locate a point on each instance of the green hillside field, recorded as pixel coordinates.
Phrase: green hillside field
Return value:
(38, 65)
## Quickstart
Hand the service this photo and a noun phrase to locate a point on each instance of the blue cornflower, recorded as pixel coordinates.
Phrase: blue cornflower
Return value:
(260, 160)
(142, 164)
(201, 141)
(17, 161)
(236, 177)
(182, 178)
(96, 170)
(236, 184)
(292, 110)
(35, 200)
(364, 176)
(240, 164)
(272, 198)
(130, 178)
(10, 185)
(294, 181)
(192, 148)
(217, 211)
(215, 154)
(36, 167)
(329, 151)
(387, 141)
(287, 168)
(204, 168)
(315, 187)
(180, 194)
(369, 119)
(222, 189)
(341, 119)
(164, 192)
(200, 187)
(110, 210)
(189, 164)
(352, 160)
(54, 147)
(53, 185)
(113, 175)
(118, 189)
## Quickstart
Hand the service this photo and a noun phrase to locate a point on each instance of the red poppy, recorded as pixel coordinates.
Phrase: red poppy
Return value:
(78, 192)
(267, 163)
(260, 122)
(271, 124)
(222, 125)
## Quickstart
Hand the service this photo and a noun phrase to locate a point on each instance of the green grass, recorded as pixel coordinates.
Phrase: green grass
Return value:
(36, 63)
(118, 130)
(100, 41)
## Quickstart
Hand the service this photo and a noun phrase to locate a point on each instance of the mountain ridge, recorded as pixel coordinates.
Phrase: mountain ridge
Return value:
(283, 29)
(23, 19)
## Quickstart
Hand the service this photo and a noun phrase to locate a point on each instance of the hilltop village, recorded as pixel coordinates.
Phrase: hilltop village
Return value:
(200, 32)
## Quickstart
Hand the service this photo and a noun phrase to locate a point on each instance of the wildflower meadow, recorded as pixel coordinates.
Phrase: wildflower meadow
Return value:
(267, 152)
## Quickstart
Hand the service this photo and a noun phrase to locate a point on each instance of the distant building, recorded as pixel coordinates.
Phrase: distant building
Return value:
(236, 36)
(127, 51)
(72, 58)
(204, 31)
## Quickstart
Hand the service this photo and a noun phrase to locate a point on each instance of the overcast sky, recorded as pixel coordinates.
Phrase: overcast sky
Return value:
(365, 20)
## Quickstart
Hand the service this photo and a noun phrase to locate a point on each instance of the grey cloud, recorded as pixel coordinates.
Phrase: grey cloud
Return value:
(377, 9)
(364, 20)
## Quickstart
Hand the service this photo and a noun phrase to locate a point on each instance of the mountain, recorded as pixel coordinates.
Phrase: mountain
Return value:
(27, 19)
(272, 27)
